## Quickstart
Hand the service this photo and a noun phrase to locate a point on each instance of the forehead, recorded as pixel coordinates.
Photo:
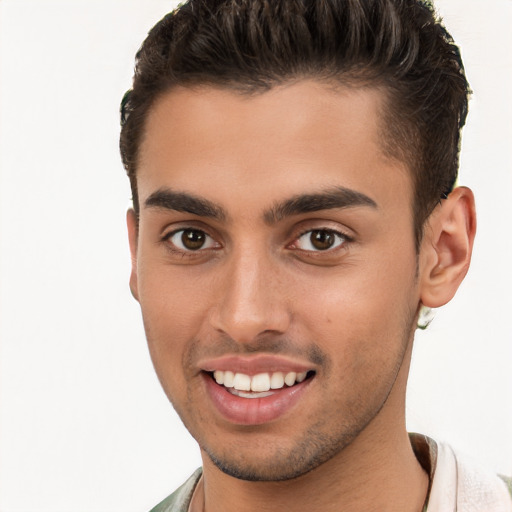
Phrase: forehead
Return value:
(219, 142)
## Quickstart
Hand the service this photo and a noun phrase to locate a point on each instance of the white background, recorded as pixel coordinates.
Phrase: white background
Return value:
(84, 424)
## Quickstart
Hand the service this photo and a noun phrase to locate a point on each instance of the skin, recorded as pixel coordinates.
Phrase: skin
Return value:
(259, 286)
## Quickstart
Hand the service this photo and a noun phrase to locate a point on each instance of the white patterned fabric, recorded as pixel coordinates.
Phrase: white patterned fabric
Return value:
(461, 486)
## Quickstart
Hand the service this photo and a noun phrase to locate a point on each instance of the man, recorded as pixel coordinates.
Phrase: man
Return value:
(293, 166)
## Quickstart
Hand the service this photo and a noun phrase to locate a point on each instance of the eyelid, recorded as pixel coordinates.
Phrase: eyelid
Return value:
(166, 238)
(347, 239)
(192, 224)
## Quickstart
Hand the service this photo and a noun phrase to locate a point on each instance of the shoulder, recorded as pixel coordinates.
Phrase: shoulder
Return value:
(179, 500)
(475, 487)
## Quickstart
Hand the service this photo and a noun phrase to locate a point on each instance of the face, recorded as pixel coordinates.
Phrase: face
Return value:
(275, 266)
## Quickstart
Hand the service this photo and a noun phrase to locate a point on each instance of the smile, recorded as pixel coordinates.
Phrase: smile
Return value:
(257, 386)
(256, 398)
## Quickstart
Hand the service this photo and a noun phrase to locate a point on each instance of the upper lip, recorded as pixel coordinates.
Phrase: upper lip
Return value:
(252, 365)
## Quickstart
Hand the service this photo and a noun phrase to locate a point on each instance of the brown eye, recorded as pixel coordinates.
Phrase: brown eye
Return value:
(191, 240)
(320, 240)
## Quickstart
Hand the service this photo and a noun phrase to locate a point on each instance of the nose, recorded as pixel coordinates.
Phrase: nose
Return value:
(252, 299)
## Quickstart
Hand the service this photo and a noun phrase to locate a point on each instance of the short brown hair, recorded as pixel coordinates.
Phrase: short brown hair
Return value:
(253, 45)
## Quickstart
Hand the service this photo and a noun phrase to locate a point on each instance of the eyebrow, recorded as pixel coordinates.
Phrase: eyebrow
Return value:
(168, 199)
(337, 197)
(334, 198)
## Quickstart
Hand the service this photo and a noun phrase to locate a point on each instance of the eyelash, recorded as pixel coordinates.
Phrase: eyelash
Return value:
(190, 253)
(345, 240)
(171, 246)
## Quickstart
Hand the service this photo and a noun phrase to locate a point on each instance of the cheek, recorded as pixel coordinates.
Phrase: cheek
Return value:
(358, 298)
(366, 331)
(171, 297)
(359, 310)
(173, 310)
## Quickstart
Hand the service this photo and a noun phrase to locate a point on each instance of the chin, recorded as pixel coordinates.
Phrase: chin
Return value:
(282, 463)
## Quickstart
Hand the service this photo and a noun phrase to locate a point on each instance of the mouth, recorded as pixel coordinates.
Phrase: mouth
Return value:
(256, 398)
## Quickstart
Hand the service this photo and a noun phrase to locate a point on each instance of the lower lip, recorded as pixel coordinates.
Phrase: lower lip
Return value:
(254, 411)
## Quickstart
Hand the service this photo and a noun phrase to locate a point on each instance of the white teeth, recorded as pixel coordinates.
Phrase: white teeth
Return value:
(277, 380)
(301, 376)
(252, 394)
(289, 380)
(260, 383)
(229, 378)
(242, 382)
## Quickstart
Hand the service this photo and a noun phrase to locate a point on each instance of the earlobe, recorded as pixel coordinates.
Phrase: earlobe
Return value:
(133, 235)
(446, 247)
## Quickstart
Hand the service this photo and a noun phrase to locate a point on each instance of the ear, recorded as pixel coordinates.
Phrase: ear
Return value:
(133, 236)
(446, 247)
